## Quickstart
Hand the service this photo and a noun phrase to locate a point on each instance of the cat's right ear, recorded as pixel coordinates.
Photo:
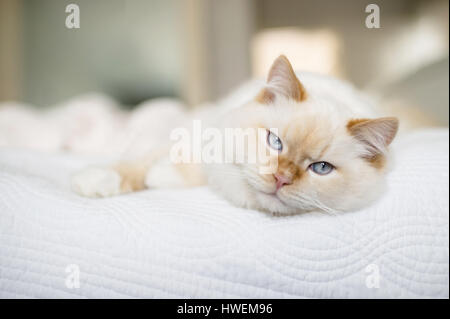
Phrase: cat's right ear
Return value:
(281, 81)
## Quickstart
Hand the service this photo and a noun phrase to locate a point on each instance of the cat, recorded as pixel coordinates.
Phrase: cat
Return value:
(330, 149)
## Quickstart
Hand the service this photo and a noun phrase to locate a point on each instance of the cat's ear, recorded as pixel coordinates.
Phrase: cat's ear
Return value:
(282, 81)
(376, 134)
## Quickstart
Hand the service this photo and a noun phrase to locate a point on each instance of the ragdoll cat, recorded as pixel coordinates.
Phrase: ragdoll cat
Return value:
(331, 152)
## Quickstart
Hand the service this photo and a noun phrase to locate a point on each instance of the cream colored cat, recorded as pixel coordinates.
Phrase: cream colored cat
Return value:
(332, 154)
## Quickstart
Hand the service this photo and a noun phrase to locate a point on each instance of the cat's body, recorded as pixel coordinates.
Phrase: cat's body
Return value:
(331, 153)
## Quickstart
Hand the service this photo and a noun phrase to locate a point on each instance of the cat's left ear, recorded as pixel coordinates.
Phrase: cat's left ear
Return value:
(375, 134)
(282, 81)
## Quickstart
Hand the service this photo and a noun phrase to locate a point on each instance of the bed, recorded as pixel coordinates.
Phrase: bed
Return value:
(190, 243)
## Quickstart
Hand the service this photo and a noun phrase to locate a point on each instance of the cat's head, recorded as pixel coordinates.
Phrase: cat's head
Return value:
(328, 159)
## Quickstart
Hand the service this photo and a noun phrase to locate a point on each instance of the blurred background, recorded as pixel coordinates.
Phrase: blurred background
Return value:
(199, 50)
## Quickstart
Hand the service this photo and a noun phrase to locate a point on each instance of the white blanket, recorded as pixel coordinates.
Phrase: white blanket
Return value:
(191, 243)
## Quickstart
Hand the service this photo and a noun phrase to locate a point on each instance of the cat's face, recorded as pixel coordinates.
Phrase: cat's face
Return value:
(326, 160)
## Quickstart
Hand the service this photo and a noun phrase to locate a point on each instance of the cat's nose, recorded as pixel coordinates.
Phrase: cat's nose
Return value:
(282, 180)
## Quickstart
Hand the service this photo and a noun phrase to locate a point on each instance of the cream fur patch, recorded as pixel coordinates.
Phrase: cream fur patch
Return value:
(97, 182)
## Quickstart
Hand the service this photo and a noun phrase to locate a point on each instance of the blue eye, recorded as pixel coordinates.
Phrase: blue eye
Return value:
(321, 168)
(274, 141)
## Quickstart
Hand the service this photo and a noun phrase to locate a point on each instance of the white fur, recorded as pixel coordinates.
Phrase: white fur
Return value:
(97, 182)
(331, 103)
(163, 174)
(92, 124)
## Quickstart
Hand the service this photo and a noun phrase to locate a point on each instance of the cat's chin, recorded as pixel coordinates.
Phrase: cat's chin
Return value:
(272, 203)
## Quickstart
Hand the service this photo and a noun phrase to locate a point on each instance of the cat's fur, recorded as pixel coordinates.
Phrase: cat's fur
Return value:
(318, 119)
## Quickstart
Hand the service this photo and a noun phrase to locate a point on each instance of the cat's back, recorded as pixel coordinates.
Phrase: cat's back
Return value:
(337, 93)
(323, 89)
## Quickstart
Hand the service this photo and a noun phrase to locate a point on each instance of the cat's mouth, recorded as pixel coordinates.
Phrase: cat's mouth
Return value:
(269, 195)
(274, 196)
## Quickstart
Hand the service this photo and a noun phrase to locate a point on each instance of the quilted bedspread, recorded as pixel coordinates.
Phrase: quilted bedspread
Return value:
(191, 243)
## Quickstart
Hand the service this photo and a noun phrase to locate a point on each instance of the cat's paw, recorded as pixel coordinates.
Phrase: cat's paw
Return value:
(97, 182)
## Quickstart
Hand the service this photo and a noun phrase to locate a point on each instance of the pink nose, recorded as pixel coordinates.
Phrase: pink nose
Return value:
(282, 180)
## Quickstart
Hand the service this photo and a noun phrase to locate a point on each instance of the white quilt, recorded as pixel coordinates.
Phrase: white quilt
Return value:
(191, 243)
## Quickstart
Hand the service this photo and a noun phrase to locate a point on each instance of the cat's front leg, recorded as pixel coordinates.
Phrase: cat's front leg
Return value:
(105, 181)
(131, 176)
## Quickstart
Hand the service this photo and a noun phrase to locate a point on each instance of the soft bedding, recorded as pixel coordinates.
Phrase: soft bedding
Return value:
(191, 243)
